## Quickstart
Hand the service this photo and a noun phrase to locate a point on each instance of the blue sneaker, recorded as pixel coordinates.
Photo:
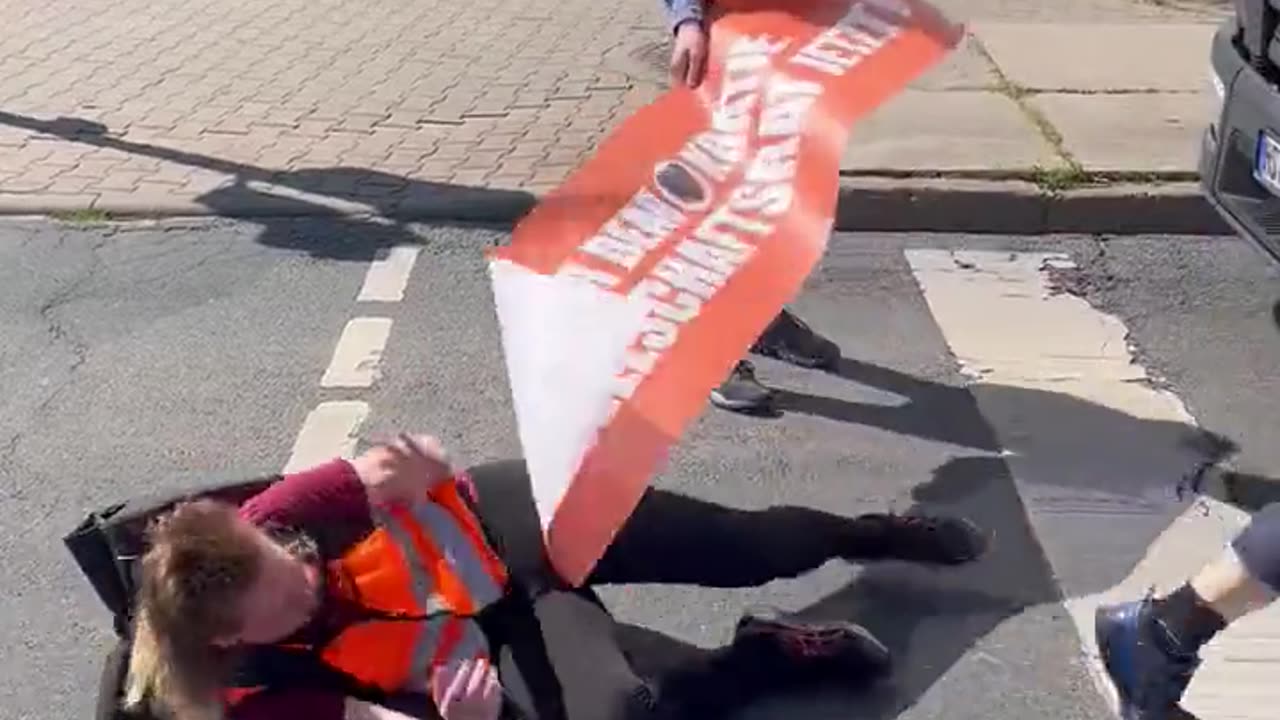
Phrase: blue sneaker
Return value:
(1141, 657)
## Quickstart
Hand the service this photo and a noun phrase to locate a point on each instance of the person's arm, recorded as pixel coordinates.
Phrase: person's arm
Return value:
(342, 491)
(328, 493)
(689, 53)
(680, 12)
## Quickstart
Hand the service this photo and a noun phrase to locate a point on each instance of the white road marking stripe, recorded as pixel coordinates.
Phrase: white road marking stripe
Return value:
(348, 207)
(388, 276)
(1008, 330)
(358, 355)
(330, 430)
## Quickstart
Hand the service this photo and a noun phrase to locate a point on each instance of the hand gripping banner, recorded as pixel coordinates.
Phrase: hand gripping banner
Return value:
(630, 291)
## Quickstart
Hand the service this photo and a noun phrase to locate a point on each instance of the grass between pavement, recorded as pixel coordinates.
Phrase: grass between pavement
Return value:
(1052, 180)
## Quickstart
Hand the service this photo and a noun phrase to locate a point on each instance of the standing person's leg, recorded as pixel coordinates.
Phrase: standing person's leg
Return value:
(787, 338)
(1151, 647)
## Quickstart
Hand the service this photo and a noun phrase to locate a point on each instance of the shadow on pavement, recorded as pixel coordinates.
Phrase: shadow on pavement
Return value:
(937, 412)
(1101, 483)
(1248, 491)
(340, 213)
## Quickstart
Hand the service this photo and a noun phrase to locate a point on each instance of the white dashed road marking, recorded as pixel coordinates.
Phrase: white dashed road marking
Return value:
(330, 430)
(357, 358)
(388, 276)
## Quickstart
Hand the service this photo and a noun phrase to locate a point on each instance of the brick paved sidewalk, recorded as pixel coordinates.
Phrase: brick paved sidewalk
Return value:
(162, 102)
(229, 105)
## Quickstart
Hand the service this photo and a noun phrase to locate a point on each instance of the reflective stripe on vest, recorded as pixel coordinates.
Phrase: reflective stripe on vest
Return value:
(232, 696)
(428, 559)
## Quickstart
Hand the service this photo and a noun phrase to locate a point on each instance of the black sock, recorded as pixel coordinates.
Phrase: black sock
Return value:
(1188, 618)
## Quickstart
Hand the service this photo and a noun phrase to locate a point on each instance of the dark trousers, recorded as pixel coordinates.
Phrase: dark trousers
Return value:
(564, 646)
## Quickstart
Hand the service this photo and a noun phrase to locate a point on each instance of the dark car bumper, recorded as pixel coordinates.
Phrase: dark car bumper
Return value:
(1251, 104)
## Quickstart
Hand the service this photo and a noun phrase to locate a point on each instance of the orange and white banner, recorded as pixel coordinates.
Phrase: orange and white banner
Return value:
(630, 291)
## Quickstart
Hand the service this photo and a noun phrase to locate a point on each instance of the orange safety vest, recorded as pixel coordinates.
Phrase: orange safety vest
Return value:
(427, 568)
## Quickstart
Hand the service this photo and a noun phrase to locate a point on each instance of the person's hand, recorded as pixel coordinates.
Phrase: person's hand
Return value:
(689, 56)
(467, 691)
(402, 471)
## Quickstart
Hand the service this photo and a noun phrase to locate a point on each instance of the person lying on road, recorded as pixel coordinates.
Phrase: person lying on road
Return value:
(392, 576)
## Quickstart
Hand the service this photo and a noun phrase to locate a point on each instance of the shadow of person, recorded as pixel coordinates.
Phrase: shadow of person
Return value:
(351, 213)
(1099, 484)
(1247, 491)
(935, 411)
(339, 213)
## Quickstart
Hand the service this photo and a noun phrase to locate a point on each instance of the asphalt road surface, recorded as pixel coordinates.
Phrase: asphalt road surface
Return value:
(134, 356)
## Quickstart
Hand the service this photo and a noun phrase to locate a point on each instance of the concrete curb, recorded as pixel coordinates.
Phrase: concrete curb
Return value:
(1021, 208)
(865, 204)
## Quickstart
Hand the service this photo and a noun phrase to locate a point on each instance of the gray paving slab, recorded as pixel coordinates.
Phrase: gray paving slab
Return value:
(1146, 132)
(966, 68)
(947, 131)
(1095, 57)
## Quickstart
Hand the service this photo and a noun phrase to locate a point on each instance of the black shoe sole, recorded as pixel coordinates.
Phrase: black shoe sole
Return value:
(742, 406)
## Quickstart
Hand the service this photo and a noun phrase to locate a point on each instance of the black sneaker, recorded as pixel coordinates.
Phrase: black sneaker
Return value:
(1143, 662)
(788, 338)
(741, 391)
(792, 652)
(915, 538)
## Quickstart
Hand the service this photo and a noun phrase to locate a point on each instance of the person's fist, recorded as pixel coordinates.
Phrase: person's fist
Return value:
(689, 56)
(402, 471)
(467, 691)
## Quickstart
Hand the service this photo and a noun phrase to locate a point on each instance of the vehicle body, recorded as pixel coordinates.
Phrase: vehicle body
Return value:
(1240, 151)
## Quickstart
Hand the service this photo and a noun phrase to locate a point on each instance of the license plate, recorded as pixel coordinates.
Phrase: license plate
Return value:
(1266, 163)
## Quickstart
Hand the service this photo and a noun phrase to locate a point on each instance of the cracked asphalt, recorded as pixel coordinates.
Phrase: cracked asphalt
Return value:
(138, 357)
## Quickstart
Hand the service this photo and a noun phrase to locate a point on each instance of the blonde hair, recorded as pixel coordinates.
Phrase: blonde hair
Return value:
(199, 565)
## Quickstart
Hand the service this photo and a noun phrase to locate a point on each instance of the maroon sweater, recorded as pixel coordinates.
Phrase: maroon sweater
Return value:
(327, 496)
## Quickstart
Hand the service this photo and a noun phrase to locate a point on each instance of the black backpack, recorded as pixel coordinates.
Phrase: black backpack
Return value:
(108, 543)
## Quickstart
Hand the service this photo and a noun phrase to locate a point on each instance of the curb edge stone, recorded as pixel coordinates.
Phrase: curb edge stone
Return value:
(864, 204)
